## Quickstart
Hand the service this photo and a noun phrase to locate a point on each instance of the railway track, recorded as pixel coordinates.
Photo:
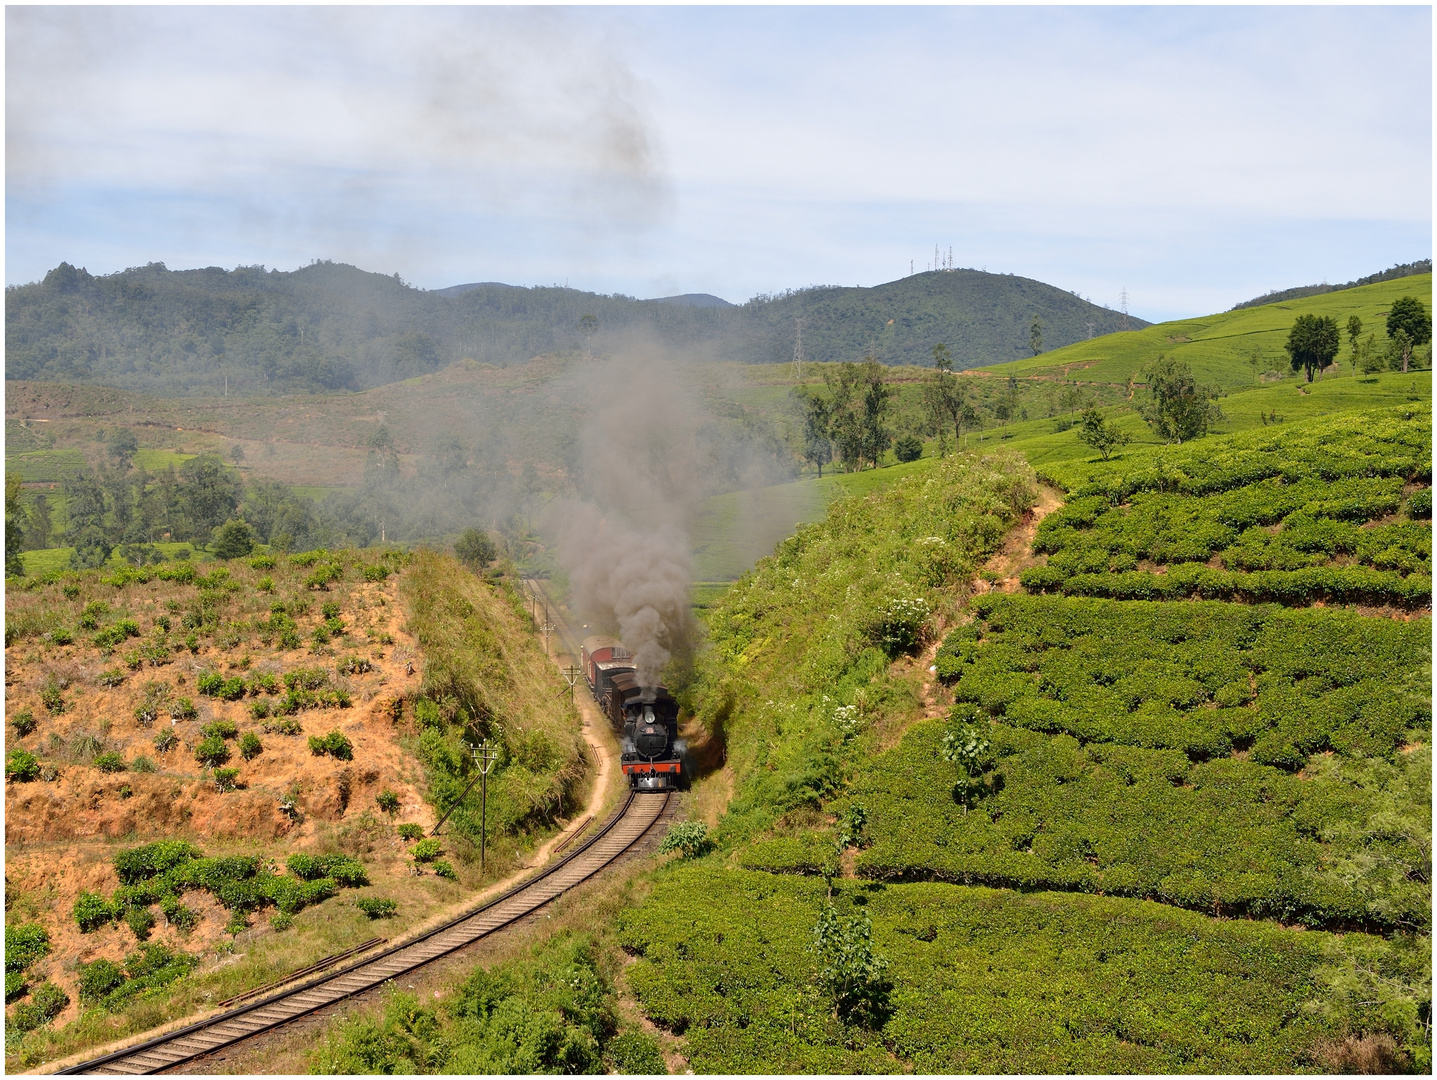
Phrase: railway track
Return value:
(625, 828)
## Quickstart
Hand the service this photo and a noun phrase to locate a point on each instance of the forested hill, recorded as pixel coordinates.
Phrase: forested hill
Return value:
(329, 326)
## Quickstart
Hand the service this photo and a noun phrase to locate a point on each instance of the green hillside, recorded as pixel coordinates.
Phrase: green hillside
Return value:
(1086, 832)
(329, 326)
(1220, 348)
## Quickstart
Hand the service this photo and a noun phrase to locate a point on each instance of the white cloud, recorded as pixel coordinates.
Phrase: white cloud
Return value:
(732, 150)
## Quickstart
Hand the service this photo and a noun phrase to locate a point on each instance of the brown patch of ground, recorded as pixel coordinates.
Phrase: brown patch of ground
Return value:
(1001, 572)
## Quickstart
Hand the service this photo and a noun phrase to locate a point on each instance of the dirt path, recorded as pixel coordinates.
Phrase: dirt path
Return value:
(1000, 573)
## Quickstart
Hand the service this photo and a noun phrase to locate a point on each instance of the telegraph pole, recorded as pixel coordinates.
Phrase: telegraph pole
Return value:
(798, 351)
(484, 757)
(546, 629)
(571, 676)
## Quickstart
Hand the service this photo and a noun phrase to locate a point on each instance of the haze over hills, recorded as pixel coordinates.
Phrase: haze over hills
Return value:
(330, 326)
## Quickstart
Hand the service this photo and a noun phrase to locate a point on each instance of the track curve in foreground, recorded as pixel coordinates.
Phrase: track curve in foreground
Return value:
(634, 818)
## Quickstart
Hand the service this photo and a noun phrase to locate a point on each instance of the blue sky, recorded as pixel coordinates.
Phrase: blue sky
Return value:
(1195, 156)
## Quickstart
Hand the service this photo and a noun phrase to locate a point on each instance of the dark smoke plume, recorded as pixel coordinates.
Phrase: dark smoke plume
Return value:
(625, 540)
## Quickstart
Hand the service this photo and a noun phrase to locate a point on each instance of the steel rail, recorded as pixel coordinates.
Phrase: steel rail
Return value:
(625, 827)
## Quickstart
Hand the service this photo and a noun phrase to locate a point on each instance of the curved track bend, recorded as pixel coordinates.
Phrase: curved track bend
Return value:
(628, 825)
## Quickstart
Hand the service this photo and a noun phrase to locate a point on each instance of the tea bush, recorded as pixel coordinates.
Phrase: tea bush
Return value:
(1276, 508)
(988, 981)
(1203, 678)
(376, 908)
(335, 744)
(1226, 837)
(162, 872)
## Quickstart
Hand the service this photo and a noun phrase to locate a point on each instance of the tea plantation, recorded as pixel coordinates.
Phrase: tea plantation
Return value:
(1176, 820)
(1338, 509)
(987, 980)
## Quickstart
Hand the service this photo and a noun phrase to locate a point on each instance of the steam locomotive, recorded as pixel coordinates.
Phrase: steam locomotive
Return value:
(647, 722)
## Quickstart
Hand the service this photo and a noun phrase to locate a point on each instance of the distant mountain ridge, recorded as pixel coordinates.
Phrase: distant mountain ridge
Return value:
(330, 326)
(1401, 270)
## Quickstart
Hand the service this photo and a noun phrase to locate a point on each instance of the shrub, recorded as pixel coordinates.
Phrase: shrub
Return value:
(342, 869)
(143, 764)
(114, 635)
(410, 831)
(111, 677)
(635, 1053)
(375, 573)
(689, 838)
(220, 729)
(166, 741)
(280, 922)
(354, 665)
(387, 801)
(376, 908)
(259, 709)
(52, 698)
(263, 682)
(91, 912)
(135, 865)
(212, 751)
(262, 562)
(178, 915)
(329, 609)
(100, 979)
(23, 722)
(225, 779)
(110, 762)
(183, 709)
(427, 850)
(249, 746)
(334, 744)
(445, 869)
(21, 767)
(284, 726)
(47, 1001)
(140, 921)
(908, 448)
(25, 943)
(854, 976)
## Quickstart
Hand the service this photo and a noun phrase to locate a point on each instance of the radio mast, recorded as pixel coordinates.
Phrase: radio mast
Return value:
(798, 351)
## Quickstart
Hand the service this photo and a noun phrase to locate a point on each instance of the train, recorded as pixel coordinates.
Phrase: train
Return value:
(647, 722)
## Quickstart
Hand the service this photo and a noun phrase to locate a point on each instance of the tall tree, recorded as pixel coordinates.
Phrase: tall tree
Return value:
(209, 493)
(877, 402)
(1354, 332)
(85, 501)
(817, 416)
(1312, 343)
(1178, 409)
(1409, 316)
(1035, 336)
(14, 526)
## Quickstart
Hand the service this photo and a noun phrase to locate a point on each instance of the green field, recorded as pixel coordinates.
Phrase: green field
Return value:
(1219, 347)
(46, 466)
(49, 561)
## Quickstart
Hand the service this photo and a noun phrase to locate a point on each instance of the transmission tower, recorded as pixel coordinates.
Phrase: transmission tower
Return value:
(1123, 306)
(798, 351)
(1092, 328)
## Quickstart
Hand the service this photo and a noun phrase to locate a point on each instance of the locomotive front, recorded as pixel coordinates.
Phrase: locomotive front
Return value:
(646, 720)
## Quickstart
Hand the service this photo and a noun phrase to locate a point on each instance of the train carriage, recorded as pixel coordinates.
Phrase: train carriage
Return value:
(646, 720)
